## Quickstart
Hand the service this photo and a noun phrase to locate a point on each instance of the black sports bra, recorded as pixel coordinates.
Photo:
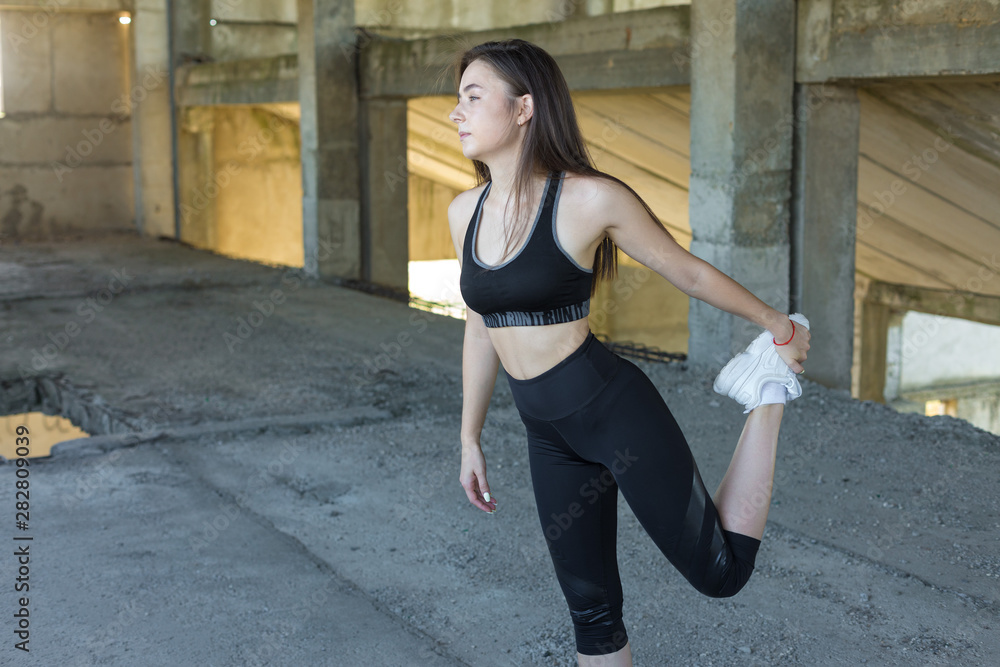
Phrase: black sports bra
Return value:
(540, 284)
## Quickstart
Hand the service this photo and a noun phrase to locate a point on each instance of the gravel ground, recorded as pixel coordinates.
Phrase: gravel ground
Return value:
(881, 545)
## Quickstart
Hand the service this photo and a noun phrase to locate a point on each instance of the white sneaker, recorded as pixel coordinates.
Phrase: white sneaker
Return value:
(743, 378)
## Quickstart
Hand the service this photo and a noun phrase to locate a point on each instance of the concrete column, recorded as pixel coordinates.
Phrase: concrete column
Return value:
(824, 221)
(742, 84)
(893, 356)
(875, 321)
(197, 156)
(195, 166)
(149, 100)
(385, 193)
(328, 96)
(191, 30)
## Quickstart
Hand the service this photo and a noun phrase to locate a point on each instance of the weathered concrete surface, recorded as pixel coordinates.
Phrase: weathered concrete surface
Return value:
(824, 225)
(319, 460)
(646, 48)
(741, 160)
(152, 143)
(384, 194)
(66, 138)
(867, 39)
(247, 81)
(331, 188)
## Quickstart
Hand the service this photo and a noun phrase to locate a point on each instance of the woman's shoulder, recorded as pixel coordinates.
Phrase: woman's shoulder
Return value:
(593, 187)
(461, 208)
(466, 201)
(593, 192)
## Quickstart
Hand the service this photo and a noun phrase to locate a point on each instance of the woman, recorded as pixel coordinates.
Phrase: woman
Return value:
(535, 237)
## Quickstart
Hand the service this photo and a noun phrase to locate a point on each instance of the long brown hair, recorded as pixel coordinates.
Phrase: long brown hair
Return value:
(553, 141)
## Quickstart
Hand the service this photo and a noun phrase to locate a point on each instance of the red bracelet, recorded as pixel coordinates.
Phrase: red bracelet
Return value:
(789, 339)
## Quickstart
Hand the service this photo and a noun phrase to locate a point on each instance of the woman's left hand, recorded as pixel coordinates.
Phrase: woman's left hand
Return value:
(794, 352)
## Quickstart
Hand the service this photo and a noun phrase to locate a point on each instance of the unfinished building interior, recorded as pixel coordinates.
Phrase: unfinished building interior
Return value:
(856, 181)
(837, 157)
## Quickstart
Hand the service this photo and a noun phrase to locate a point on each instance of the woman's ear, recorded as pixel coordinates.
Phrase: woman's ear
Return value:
(527, 109)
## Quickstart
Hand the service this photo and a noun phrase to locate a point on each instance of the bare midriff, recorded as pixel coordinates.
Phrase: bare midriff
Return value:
(529, 351)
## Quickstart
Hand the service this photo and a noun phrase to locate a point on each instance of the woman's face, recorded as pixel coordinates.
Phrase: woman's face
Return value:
(485, 114)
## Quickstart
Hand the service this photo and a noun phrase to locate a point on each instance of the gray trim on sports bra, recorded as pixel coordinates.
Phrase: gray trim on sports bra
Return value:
(555, 211)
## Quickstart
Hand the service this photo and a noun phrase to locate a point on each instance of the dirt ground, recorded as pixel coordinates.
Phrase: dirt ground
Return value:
(291, 496)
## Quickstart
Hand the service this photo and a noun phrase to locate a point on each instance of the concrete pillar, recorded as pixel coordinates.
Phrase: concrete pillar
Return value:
(149, 103)
(824, 221)
(197, 173)
(742, 84)
(385, 193)
(191, 36)
(893, 356)
(875, 321)
(328, 97)
(195, 166)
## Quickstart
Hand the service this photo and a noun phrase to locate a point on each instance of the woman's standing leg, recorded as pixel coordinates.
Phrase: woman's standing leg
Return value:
(577, 508)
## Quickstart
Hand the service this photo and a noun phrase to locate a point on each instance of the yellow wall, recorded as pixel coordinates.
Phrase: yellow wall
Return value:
(241, 182)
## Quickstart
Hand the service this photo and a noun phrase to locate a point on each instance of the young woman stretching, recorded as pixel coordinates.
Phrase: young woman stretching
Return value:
(535, 237)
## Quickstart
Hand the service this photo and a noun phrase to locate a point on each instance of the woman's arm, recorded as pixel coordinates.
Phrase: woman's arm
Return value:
(641, 238)
(480, 364)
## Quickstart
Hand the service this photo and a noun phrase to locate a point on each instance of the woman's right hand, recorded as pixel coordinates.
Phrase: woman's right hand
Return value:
(473, 479)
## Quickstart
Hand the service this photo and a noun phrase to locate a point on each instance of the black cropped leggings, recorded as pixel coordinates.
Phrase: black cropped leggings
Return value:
(597, 424)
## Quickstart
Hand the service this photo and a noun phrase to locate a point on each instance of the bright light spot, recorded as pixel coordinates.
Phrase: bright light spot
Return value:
(211, 22)
(124, 20)
(437, 281)
(948, 406)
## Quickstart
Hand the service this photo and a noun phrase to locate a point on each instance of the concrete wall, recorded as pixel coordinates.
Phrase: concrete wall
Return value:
(152, 141)
(943, 350)
(459, 14)
(640, 306)
(629, 5)
(485, 14)
(253, 28)
(66, 164)
(429, 235)
(241, 182)
(982, 411)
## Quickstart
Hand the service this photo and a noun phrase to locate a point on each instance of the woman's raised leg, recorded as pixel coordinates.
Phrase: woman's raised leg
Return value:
(744, 495)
